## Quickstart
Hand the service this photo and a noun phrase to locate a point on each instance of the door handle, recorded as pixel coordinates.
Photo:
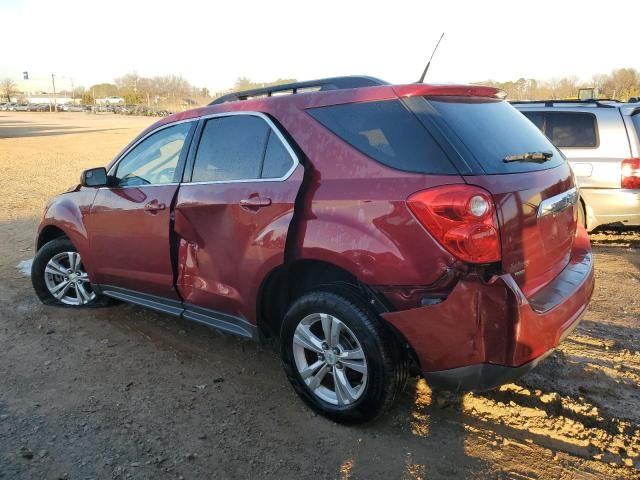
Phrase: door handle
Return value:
(253, 203)
(154, 206)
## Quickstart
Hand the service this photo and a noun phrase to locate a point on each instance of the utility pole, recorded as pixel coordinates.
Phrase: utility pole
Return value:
(55, 102)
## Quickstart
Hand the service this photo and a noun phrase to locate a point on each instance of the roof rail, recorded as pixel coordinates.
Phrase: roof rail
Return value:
(335, 83)
(549, 103)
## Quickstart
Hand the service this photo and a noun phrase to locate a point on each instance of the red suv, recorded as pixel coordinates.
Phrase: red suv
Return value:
(370, 228)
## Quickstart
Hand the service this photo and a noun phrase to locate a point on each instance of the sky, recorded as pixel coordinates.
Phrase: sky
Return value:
(212, 43)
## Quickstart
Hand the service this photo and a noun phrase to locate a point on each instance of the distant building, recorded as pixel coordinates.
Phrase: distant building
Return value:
(48, 99)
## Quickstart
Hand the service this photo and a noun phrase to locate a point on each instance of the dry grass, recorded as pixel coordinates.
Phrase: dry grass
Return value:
(42, 154)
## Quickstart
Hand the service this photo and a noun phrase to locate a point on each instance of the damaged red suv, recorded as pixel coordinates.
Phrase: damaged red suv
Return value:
(369, 228)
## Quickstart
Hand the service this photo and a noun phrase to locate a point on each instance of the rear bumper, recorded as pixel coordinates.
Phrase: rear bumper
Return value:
(488, 333)
(479, 377)
(611, 205)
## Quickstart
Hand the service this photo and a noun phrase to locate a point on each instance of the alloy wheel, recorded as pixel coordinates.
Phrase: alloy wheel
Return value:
(67, 281)
(330, 359)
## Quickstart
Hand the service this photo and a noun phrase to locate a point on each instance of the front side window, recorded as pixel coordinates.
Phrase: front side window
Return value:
(154, 160)
(239, 147)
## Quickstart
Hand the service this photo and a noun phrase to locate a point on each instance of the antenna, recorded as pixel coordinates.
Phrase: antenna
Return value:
(424, 73)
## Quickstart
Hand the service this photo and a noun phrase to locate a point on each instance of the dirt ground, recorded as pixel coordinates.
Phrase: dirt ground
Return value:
(123, 392)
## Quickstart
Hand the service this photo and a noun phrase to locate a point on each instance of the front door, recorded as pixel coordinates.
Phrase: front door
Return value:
(232, 216)
(129, 222)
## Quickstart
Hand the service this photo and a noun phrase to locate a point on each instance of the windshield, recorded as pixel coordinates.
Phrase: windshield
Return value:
(492, 130)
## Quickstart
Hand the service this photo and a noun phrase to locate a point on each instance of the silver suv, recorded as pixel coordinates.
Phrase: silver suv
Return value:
(600, 138)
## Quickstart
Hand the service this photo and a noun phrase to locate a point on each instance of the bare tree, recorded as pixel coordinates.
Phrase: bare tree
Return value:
(8, 88)
(624, 82)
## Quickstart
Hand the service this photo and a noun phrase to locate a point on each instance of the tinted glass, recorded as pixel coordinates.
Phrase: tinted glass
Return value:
(231, 148)
(572, 129)
(277, 160)
(636, 123)
(492, 130)
(154, 160)
(537, 118)
(387, 132)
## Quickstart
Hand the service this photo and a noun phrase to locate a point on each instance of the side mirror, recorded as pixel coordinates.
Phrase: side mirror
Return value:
(94, 177)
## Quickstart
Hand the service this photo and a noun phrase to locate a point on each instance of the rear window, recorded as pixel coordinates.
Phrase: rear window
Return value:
(491, 130)
(388, 133)
(571, 130)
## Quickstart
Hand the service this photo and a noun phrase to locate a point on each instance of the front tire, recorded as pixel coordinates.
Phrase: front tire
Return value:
(59, 278)
(342, 360)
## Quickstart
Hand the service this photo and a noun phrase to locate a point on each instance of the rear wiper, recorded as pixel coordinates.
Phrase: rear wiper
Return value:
(535, 157)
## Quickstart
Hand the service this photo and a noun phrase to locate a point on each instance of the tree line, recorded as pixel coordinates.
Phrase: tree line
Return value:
(168, 89)
(620, 84)
(135, 89)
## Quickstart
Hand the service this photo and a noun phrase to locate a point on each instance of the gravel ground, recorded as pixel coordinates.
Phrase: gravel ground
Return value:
(123, 392)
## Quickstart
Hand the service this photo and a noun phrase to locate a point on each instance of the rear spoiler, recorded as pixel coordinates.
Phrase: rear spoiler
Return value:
(425, 90)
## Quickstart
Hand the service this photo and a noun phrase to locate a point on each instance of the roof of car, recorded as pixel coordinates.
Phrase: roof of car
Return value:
(593, 103)
(323, 84)
(337, 90)
(305, 99)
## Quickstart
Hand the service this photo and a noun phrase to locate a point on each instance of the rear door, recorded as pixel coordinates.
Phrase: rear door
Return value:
(535, 201)
(129, 222)
(232, 216)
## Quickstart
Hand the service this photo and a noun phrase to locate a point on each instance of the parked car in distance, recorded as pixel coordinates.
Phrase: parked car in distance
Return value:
(601, 142)
(22, 107)
(371, 229)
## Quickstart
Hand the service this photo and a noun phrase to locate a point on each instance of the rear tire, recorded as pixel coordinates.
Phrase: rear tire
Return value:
(59, 278)
(340, 357)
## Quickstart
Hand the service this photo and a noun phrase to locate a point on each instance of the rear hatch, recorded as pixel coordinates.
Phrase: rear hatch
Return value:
(535, 197)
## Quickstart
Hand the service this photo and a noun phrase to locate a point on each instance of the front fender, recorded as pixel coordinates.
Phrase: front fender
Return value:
(67, 213)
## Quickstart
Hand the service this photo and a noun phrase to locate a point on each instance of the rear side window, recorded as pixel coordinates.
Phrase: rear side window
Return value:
(537, 118)
(571, 130)
(492, 130)
(240, 147)
(231, 148)
(386, 132)
(277, 160)
(635, 118)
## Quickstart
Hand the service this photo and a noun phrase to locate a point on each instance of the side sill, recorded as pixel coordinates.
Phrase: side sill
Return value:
(221, 321)
(165, 305)
(218, 320)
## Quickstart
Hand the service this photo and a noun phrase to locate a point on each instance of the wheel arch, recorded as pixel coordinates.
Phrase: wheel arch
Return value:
(287, 282)
(48, 233)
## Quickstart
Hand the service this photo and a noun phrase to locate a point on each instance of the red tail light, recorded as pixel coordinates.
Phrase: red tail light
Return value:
(630, 173)
(462, 218)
